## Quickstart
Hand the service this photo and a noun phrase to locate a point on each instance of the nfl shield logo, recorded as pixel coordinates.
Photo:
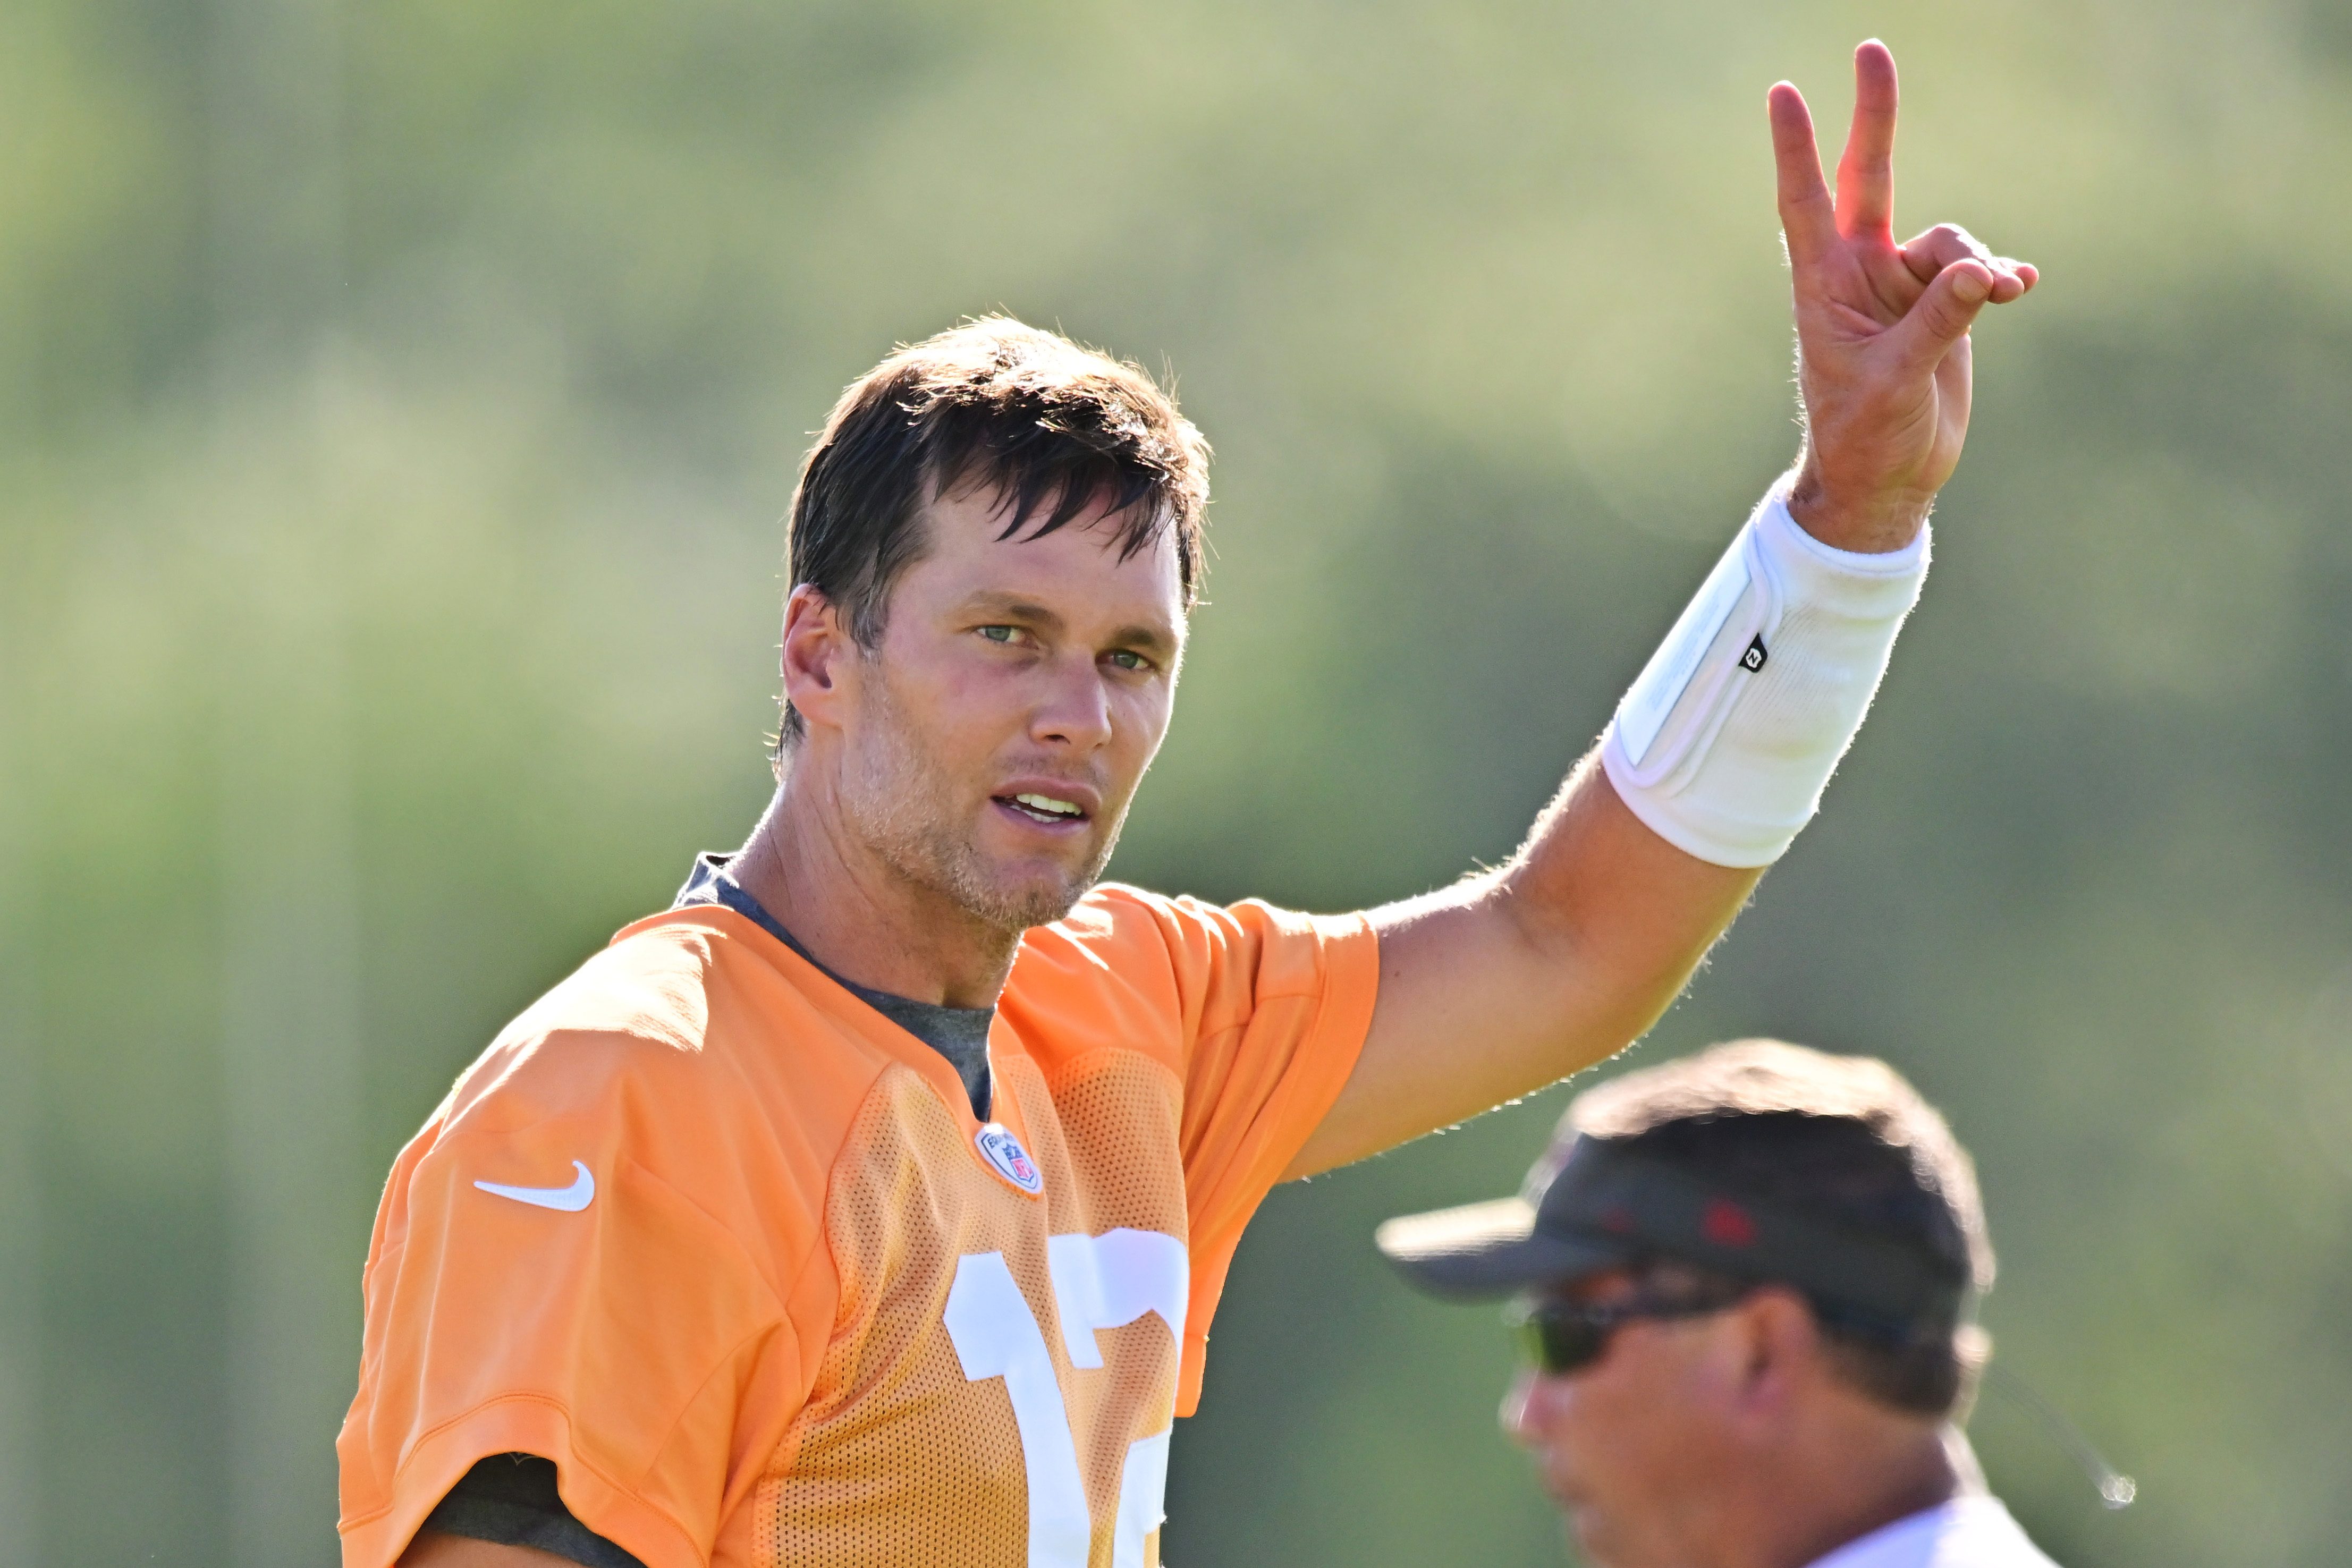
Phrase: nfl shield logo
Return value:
(1008, 1160)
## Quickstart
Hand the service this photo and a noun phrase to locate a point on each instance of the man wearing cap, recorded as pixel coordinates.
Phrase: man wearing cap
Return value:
(1744, 1283)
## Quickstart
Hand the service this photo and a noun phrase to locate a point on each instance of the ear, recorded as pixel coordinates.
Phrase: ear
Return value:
(819, 656)
(1782, 1348)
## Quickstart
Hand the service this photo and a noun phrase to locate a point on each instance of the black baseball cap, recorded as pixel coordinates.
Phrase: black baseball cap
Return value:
(1593, 1204)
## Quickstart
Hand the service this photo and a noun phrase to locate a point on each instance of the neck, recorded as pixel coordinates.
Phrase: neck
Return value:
(859, 917)
(1858, 1477)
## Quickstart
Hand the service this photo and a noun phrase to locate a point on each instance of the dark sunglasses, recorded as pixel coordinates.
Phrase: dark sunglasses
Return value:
(1557, 1337)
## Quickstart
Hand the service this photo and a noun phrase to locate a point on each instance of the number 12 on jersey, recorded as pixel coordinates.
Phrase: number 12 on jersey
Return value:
(1099, 1282)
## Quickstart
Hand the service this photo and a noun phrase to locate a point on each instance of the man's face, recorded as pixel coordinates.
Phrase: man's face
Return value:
(1018, 692)
(1635, 1446)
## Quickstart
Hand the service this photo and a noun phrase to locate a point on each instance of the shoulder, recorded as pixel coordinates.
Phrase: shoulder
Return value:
(636, 1015)
(1974, 1532)
(1106, 971)
(684, 1049)
(1175, 969)
(1984, 1534)
(1118, 925)
(1124, 942)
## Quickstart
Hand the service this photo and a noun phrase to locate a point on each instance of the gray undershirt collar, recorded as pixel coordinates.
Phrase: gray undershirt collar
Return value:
(959, 1034)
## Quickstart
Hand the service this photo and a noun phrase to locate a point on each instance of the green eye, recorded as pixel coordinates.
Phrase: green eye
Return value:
(1125, 660)
(998, 634)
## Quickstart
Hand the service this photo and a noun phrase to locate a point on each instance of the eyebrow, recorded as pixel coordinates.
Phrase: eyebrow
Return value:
(1150, 639)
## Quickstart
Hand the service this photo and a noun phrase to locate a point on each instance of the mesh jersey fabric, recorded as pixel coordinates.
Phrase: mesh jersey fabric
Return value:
(810, 1310)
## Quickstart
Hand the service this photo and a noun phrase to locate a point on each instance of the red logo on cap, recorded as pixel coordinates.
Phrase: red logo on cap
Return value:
(1616, 1221)
(1726, 1224)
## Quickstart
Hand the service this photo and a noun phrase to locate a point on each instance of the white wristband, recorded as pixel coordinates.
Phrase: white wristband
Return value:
(1725, 743)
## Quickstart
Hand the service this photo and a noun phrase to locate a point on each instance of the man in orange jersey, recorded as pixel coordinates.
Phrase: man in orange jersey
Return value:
(869, 1205)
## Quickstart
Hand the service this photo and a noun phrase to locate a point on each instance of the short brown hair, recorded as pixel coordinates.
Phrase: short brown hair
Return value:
(1845, 1138)
(1054, 428)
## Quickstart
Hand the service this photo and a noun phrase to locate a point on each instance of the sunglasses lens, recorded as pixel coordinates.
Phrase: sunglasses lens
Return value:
(1560, 1342)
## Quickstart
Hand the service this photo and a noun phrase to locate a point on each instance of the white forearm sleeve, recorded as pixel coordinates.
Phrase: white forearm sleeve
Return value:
(1726, 742)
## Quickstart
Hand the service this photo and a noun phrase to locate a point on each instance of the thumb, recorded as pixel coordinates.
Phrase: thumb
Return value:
(1941, 317)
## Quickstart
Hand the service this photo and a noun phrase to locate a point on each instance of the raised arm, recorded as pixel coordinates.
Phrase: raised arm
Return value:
(1514, 978)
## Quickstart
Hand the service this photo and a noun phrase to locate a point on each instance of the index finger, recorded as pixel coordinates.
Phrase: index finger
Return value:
(1866, 198)
(1807, 218)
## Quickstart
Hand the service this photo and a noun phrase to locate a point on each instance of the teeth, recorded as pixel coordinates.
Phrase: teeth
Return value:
(1047, 803)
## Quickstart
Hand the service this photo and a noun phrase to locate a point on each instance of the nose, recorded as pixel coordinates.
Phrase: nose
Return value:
(1515, 1415)
(1074, 711)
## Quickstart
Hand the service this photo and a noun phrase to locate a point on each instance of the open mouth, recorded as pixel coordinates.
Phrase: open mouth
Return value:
(1048, 811)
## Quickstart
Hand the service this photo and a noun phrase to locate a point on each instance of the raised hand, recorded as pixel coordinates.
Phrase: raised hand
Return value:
(1882, 328)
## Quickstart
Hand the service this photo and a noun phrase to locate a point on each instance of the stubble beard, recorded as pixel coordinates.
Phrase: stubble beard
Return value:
(902, 809)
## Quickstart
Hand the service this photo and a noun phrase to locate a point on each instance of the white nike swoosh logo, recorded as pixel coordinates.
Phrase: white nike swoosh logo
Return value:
(567, 1199)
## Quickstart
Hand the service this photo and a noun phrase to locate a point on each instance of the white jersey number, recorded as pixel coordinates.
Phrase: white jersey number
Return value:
(1099, 1282)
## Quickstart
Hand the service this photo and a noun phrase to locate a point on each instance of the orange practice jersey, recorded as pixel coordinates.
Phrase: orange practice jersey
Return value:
(731, 1249)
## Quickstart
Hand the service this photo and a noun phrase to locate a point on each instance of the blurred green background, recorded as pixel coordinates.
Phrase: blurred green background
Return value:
(397, 403)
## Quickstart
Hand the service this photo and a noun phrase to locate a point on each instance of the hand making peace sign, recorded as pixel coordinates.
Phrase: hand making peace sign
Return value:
(1882, 329)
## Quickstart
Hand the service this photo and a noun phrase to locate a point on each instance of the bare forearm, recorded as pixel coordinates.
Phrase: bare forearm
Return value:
(1613, 918)
(1727, 739)
(1516, 978)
